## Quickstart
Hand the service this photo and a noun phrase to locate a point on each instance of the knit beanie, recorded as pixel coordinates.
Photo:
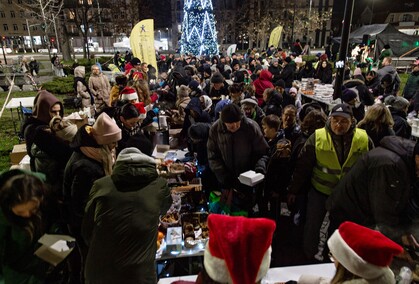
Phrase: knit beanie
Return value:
(129, 94)
(348, 95)
(105, 130)
(217, 77)
(364, 252)
(231, 113)
(396, 102)
(293, 90)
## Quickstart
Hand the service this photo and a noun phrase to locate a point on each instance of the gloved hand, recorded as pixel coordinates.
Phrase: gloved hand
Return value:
(260, 169)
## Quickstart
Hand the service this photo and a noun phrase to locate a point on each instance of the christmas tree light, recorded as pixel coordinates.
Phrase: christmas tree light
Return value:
(199, 36)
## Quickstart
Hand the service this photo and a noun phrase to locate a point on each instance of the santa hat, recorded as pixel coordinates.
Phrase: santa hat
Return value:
(129, 94)
(364, 252)
(141, 110)
(239, 248)
(105, 130)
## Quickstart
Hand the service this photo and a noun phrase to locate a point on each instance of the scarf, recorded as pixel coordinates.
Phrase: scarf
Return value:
(104, 155)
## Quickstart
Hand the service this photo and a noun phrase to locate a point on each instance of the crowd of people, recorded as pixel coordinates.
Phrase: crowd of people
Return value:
(239, 113)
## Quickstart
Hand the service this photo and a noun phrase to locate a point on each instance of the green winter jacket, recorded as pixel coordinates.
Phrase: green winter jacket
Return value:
(121, 221)
(412, 85)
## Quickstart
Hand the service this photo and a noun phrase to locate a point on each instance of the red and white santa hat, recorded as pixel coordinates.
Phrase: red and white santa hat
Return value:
(129, 94)
(239, 248)
(364, 252)
(141, 109)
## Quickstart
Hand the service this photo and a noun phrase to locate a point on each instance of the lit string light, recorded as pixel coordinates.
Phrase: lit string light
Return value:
(199, 36)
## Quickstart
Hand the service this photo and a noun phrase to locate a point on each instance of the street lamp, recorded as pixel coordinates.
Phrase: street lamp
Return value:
(159, 35)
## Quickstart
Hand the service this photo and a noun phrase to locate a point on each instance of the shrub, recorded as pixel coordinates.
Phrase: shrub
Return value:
(58, 85)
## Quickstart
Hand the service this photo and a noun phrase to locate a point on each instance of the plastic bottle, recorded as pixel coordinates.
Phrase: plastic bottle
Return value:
(405, 276)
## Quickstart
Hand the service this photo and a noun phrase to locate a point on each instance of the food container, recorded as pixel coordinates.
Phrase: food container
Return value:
(251, 178)
(170, 220)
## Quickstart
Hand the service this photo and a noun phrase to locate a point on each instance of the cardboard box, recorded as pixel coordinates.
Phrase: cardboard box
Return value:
(18, 152)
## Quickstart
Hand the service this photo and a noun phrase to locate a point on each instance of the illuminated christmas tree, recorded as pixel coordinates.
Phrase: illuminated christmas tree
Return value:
(199, 36)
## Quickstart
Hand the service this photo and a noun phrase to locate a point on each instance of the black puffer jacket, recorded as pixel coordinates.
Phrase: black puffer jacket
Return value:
(401, 127)
(79, 175)
(230, 154)
(376, 190)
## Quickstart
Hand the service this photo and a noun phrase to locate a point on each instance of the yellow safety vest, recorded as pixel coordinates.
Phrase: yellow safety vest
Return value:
(328, 171)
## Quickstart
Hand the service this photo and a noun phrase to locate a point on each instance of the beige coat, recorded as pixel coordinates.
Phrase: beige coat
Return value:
(100, 88)
(82, 92)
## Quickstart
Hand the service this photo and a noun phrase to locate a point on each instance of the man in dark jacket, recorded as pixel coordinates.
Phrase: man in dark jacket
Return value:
(120, 225)
(379, 190)
(326, 157)
(235, 145)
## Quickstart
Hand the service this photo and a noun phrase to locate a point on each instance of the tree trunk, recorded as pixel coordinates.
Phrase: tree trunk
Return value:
(65, 43)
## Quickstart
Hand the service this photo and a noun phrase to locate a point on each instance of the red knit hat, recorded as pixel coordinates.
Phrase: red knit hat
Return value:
(141, 110)
(323, 57)
(362, 251)
(129, 94)
(239, 248)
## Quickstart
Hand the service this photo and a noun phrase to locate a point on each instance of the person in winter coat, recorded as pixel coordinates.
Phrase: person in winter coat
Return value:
(398, 107)
(230, 137)
(360, 255)
(381, 189)
(272, 102)
(277, 173)
(129, 118)
(363, 97)
(289, 124)
(261, 84)
(412, 84)
(324, 72)
(34, 67)
(27, 211)
(193, 114)
(198, 133)
(120, 84)
(48, 153)
(372, 82)
(275, 69)
(378, 123)
(82, 88)
(288, 72)
(251, 110)
(307, 71)
(100, 88)
(326, 156)
(388, 69)
(93, 158)
(182, 102)
(120, 224)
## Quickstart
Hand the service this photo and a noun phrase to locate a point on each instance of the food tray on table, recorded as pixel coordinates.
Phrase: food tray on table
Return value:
(195, 229)
(193, 185)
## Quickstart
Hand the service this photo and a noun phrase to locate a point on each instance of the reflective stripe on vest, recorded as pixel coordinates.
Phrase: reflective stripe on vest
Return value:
(328, 171)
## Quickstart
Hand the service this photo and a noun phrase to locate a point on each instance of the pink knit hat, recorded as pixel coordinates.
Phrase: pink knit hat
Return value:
(105, 130)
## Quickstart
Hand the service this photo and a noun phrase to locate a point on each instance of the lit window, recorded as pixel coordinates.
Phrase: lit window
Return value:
(71, 15)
